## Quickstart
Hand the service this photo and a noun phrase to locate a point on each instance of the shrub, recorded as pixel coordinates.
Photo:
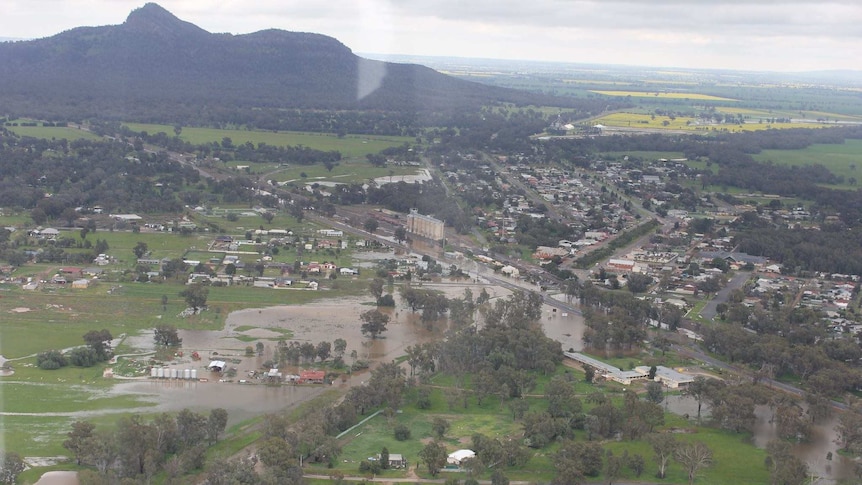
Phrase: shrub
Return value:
(402, 432)
(51, 359)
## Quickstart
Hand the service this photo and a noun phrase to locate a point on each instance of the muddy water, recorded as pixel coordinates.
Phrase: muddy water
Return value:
(813, 452)
(321, 321)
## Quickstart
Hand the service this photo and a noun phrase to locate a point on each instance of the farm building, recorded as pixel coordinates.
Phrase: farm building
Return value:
(82, 283)
(217, 365)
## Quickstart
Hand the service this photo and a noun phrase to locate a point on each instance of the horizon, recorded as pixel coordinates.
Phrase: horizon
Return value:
(800, 36)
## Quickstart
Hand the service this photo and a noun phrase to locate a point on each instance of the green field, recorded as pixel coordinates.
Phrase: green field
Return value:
(736, 460)
(844, 160)
(349, 146)
(50, 132)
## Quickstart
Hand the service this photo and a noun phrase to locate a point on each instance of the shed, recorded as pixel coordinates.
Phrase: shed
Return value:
(217, 365)
(456, 457)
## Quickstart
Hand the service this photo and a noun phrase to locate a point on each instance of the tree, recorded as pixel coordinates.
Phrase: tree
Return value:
(562, 401)
(100, 342)
(339, 346)
(140, 249)
(613, 466)
(191, 428)
(589, 373)
(11, 467)
(51, 359)
(384, 458)
(498, 478)
(693, 457)
(655, 392)
(81, 432)
(663, 445)
(375, 286)
(216, 424)
(83, 357)
(166, 335)
(434, 456)
(439, 426)
(374, 323)
(402, 432)
(370, 225)
(784, 468)
(196, 295)
(323, 350)
(400, 234)
(638, 283)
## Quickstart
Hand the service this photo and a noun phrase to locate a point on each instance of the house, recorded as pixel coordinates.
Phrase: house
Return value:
(457, 457)
(311, 377)
(396, 460)
(48, 233)
(348, 271)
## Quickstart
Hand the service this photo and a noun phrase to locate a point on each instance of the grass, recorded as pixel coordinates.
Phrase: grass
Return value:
(347, 171)
(664, 95)
(349, 146)
(657, 122)
(843, 160)
(50, 132)
(736, 460)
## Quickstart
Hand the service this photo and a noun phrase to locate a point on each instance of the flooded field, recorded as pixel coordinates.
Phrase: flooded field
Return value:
(823, 440)
(326, 320)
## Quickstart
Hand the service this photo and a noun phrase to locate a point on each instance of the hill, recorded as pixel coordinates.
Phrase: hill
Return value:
(156, 59)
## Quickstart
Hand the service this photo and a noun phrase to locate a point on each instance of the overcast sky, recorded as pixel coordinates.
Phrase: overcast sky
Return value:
(778, 35)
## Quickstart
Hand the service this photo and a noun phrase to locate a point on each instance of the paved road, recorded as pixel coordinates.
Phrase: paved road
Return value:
(710, 310)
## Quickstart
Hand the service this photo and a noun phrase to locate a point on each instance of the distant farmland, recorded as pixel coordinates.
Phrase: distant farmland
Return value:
(658, 94)
(634, 121)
